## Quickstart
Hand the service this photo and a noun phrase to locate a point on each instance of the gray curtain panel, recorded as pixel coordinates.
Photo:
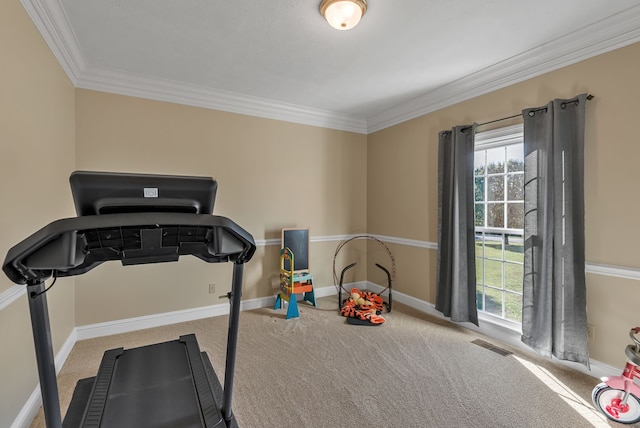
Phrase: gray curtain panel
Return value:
(456, 270)
(554, 315)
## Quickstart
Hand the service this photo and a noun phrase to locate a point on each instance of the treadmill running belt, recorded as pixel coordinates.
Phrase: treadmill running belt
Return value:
(160, 385)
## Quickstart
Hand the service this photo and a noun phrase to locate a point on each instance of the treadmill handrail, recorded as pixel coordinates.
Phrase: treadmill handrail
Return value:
(17, 268)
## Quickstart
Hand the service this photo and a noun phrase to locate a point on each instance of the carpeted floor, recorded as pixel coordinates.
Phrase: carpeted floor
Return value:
(413, 371)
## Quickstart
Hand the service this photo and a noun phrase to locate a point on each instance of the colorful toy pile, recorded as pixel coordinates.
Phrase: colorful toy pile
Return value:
(363, 308)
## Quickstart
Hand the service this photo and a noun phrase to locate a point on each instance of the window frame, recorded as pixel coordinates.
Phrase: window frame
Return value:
(486, 140)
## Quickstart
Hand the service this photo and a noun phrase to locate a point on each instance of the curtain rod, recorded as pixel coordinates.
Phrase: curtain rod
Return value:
(589, 97)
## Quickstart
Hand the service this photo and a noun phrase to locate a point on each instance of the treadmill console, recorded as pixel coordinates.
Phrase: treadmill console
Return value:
(111, 193)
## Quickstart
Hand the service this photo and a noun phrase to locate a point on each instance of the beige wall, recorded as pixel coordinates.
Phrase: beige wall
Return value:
(271, 174)
(274, 174)
(37, 153)
(402, 183)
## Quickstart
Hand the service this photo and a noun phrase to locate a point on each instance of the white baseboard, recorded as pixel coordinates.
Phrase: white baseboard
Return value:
(29, 410)
(495, 329)
(31, 407)
(65, 350)
(157, 320)
(489, 327)
(109, 328)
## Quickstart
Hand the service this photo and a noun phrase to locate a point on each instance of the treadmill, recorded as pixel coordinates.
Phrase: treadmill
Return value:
(136, 219)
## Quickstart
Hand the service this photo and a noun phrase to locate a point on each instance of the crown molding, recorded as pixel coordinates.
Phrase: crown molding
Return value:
(122, 83)
(52, 23)
(608, 34)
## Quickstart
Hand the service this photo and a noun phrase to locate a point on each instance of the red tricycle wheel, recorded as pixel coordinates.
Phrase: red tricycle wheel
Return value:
(608, 401)
(614, 409)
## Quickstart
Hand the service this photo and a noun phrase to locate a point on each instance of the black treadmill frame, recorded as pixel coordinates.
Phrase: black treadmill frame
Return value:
(68, 247)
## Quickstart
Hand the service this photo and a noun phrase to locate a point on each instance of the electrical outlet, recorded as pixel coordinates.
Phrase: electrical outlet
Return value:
(212, 288)
(591, 331)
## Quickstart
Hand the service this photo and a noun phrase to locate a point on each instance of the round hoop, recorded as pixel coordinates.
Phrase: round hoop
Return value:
(343, 243)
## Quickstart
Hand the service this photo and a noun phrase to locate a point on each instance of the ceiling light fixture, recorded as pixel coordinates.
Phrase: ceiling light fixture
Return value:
(343, 14)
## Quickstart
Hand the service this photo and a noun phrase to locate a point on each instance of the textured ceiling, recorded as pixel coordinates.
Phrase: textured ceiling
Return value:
(279, 58)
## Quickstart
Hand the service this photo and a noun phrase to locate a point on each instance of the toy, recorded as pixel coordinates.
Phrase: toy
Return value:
(291, 284)
(363, 308)
(618, 397)
(390, 276)
(359, 301)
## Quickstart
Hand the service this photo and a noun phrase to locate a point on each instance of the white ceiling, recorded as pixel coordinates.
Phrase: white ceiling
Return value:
(280, 59)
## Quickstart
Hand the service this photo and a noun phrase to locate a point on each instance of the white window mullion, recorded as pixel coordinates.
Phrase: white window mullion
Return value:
(501, 140)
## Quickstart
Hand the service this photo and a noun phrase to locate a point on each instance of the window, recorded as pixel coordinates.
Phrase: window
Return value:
(499, 222)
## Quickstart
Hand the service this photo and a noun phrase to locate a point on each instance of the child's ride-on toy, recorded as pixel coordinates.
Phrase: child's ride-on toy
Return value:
(618, 397)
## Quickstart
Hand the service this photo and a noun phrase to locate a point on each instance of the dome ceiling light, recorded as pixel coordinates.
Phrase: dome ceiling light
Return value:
(343, 14)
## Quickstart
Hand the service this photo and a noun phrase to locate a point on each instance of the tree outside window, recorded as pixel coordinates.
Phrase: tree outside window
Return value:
(499, 222)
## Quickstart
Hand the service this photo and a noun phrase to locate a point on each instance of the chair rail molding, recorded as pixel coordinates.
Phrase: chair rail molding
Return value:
(9, 296)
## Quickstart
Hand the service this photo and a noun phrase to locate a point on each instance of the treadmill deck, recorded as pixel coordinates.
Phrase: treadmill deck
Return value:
(161, 385)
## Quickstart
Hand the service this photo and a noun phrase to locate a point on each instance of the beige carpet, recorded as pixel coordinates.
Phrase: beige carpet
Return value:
(413, 371)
